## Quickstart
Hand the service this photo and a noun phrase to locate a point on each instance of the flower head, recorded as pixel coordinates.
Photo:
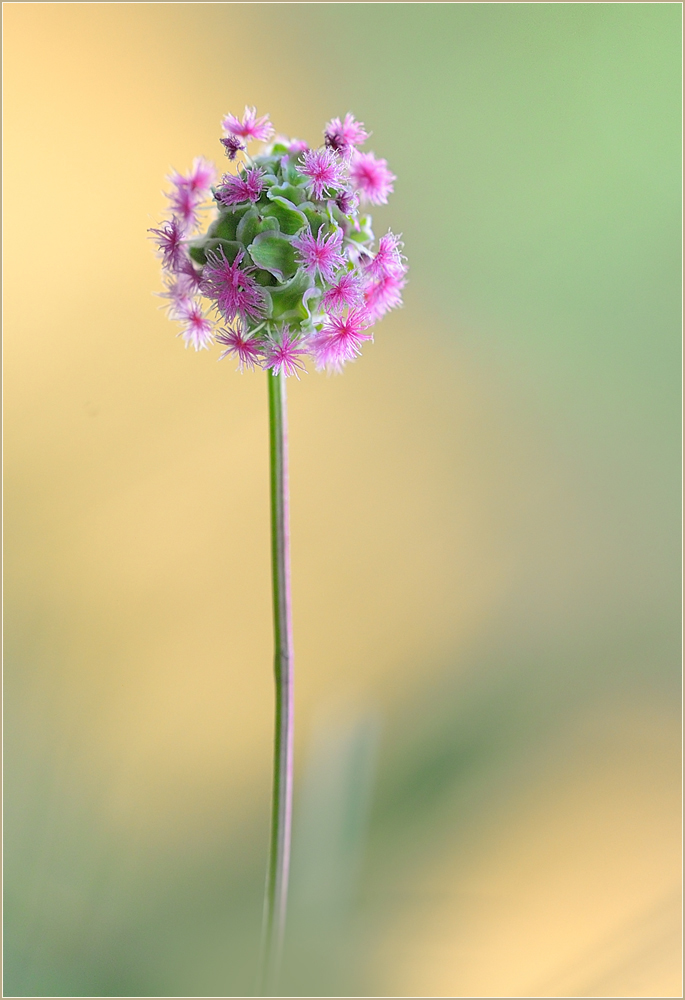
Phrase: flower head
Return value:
(197, 329)
(251, 127)
(233, 289)
(283, 352)
(322, 254)
(340, 339)
(246, 186)
(347, 201)
(323, 170)
(343, 136)
(371, 177)
(241, 345)
(169, 240)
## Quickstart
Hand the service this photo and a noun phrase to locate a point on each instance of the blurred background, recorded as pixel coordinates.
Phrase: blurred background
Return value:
(485, 516)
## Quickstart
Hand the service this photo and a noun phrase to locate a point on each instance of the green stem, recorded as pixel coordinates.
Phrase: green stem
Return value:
(281, 817)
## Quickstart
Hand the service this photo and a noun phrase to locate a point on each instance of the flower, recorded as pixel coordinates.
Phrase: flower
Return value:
(245, 187)
(387, 259)
(371, 177)
(323, 170)
(320, 254)
(347, 202)
(382, 295)
(232, 146)
(170, 244)
(282, 353)
(250, 127)
(197, 328)
(340, 339)
(234, 290)
(343, 136)
(241, 345)
(346, 292)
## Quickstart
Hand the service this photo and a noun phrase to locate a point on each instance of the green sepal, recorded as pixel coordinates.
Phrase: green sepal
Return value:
(275, 254)
(315, 216)
(251, 225)
(289, 219)
(287, 304)
(225, 226)
(295, 193)
(198, 251)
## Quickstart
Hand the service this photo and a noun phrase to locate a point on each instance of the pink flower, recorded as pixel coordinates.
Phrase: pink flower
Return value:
(297, 146)
(190, 190)
(197, 328)
(244, 187)
(239, 344)
(283, 353)
(382, 295)
(170, 244)
(387, 259)
(347, 202)
(234, 290)
(340, 339)
(343, 136)
(346, 292)
(232, 146)
(371, 177)
(321, 254)
(323, 170)
(250, 127)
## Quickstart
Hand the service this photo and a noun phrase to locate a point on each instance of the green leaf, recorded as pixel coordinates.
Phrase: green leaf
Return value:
(227, 223)
(198, 250)
(315, 217)
(252, 224)
(275, 254)
(289, 219)
(294, 193)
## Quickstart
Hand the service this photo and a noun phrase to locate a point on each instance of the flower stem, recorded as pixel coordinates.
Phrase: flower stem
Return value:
(281, 816)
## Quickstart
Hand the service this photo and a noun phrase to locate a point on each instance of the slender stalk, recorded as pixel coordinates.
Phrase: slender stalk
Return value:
(276, 898)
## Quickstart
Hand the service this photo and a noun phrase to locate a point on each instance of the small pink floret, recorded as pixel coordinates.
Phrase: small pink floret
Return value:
(340, 339)
(322, 254)
(323, 170)
(241, 345)
(245, 187)
(371, 177)
(283, 353)
(342, 136)
(197, 328)
(233, 289)
(388, 258)
(169, 240)
(345, 293)
(382, 295)
(251, 127)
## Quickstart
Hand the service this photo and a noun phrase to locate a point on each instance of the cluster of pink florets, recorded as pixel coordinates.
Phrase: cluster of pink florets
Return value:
(288, 265)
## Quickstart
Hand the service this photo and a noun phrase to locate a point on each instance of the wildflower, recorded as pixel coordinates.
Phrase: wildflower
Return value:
(232, 146)
(251, 127)
(170, 244)
(197, 328)
(371, 177)
(241, 345)
(346, 292)
(340, 339)
(347, 201)
(387, 259)
(245, 187)
(233, 289)
(382, 295)
(323, 170)
(320, 254)
(282, 353)
(343, 136)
